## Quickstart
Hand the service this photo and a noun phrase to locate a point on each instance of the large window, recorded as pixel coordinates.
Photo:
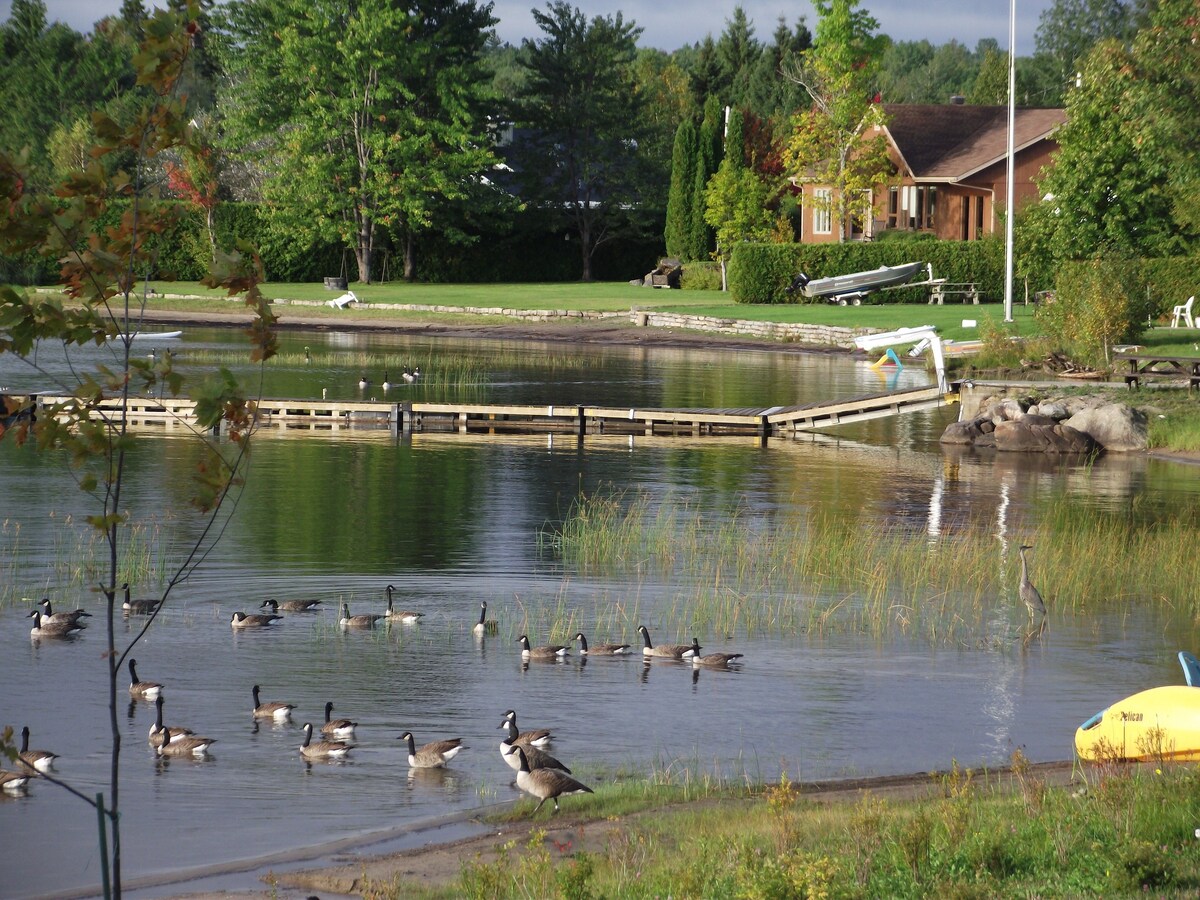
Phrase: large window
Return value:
(912, 206)
(822, 218)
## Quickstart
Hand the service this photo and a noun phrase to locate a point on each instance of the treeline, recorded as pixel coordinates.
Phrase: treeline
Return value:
(408, 138)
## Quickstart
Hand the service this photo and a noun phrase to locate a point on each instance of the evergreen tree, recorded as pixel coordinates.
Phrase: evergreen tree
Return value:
(708, 159)
(679, 200)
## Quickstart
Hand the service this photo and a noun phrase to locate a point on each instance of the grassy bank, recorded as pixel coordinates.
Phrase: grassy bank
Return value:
(1115, 833)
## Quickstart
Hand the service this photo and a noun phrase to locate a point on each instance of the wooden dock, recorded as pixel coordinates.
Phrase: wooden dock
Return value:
(335, 415)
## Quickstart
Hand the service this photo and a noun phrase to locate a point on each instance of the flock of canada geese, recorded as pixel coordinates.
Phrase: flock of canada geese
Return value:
(537, 772)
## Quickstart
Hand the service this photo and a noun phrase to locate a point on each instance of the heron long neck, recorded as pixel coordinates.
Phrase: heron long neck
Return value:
(1024, 567)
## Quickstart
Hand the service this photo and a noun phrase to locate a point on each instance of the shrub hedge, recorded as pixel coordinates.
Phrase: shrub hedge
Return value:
(759, 273)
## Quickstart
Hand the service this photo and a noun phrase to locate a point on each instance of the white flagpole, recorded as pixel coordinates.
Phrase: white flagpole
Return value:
(1008, 209)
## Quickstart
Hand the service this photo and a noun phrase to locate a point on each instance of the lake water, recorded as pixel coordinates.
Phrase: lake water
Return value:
(451, 520)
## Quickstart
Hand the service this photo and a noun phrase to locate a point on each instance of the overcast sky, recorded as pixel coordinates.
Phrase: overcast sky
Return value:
(670, 24)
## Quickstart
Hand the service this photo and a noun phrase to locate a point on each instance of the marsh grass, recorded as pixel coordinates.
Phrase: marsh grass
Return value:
(820, 573)
(1131, 832)
(77, 561)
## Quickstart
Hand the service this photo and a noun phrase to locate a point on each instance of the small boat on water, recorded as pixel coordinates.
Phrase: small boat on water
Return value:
(155, 335)
(1161, 723)
(847, 289)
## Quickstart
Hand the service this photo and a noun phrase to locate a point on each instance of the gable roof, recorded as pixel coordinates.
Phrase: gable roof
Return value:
(950, 141)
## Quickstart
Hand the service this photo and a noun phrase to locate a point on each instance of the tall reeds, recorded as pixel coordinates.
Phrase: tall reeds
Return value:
(821, 572)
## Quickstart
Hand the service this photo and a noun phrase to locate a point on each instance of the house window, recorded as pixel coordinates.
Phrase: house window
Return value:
(822, 217)
(978, 218)
(893, 208)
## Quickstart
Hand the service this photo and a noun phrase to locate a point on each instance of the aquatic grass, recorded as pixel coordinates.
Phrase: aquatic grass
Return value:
(821, 573)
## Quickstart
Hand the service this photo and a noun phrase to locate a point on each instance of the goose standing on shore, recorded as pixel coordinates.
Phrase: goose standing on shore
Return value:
(277, 710)
(434, 755)
(38, 760)
(599, 649)
(538, 759)
(321, 749)
(663, 651)
(141, 690)
(546, 784)
(404, 616)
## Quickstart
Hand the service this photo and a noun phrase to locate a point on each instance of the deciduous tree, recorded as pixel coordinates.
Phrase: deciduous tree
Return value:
(834, 143)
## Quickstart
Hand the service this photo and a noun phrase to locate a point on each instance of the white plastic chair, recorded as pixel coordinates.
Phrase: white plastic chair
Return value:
(1184, 312)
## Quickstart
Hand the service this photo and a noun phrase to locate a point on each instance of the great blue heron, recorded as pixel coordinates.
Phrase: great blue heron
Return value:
(1029, 594)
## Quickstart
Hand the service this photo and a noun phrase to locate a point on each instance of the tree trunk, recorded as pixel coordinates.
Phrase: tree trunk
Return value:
(366, 235)
(410, 257)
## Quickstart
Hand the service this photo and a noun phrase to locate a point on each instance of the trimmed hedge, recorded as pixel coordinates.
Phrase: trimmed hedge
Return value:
(759, 273)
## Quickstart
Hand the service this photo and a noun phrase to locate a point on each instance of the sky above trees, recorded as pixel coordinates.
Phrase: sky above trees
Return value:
(670, 24)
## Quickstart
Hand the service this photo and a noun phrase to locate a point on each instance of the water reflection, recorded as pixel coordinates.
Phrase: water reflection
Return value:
(454, 519)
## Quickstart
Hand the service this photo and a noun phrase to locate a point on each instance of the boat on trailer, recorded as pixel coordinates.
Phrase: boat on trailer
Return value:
(1155, 725)
(850, 289)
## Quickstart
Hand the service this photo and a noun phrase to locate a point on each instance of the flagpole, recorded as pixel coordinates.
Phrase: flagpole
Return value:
(1008, 207)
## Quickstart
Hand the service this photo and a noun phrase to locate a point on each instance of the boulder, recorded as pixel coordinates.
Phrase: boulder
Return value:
(968, 432)
(1022, 437)
(1006, 410)
(1114, 426)
(1054, 409)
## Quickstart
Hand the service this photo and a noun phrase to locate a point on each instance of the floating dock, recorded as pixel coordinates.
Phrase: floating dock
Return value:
(408, 417)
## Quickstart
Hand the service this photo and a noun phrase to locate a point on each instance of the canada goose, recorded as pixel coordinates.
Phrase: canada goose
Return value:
(433, 755)
(44, 629)
(142, 607)
(13, 782)
(277, 710)
(549, 651)
(38, 760)
(546, 784)
(363, 384)
(667, 651)
(256, 620)
(157, 730)
(183, 745)
(416, 373)
(387, 385)
(537, 737)
(307, 356)
(485, 625)
(599, 649)
(408, 376)
(715, 660)
(338, 728)
(359, 621)
(74, 616)
(291, 605)
(405, 616)
(321, 749)
(538, 759)
(141, 690)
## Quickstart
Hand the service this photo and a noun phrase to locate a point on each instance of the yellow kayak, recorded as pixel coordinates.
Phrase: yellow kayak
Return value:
(1159, 724)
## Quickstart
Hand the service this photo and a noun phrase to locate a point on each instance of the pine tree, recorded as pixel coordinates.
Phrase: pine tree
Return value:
(679, 200)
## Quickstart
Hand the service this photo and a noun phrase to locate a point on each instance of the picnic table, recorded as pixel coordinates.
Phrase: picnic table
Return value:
(941, 289)
(1142, 367)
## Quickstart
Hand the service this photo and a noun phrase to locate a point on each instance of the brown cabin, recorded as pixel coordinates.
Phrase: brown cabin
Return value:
(950, 171)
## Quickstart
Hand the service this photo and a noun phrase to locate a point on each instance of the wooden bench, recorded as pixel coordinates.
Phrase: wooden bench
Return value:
(1145, 367)
(941, 289)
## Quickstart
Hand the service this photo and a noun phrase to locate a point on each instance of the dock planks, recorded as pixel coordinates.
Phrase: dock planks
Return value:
(332, 415)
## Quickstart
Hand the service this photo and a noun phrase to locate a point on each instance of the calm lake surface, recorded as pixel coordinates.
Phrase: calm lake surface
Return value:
(453, 520)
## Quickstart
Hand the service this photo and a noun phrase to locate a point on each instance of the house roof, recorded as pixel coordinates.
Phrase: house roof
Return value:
(949, 142)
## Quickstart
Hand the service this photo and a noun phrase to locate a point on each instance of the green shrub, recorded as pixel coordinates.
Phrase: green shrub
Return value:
(701, 276)
(1098, 303)
(1169, 282)
(759, 273)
